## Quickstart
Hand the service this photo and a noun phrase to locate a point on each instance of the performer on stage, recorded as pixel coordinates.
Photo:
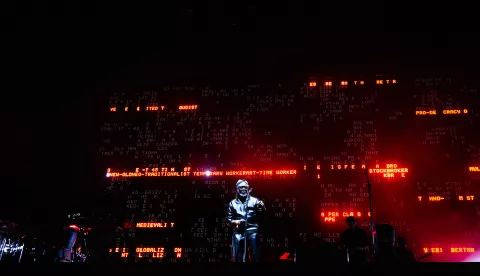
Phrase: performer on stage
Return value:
(242, 215)
(354, 241)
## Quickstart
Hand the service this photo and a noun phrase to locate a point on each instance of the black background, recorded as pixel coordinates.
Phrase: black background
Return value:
(58, 57)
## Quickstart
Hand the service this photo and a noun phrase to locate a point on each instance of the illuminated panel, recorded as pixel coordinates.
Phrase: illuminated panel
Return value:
(187, 107)
(117, 250)
(151, 252)
(390, 171)
(452, 111)
(425, 112)
(328, 83)
(462, 250)
(123, 254)
(454, 250)
(113, 109)
(346, 167)
(155, 225)
(155, 108)
(445, 112)
(344, 83)
(312, 84)
(439, 198)
(164, 172)
(432, 250)
(332, 217)
(474, 169)
(178, 252)
(467, 198)
(435, 198)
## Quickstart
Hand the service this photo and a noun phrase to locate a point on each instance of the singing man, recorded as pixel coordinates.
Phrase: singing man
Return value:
(242, 215)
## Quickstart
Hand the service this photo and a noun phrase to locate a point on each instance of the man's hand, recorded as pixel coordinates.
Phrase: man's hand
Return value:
(260, 206)
(238, 222)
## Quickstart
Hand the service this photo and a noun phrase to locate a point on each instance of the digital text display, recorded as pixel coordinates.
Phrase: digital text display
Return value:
(171, 156)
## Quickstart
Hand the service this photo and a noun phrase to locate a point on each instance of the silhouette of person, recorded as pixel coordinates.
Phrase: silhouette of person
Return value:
(404, 254)
(354, 241)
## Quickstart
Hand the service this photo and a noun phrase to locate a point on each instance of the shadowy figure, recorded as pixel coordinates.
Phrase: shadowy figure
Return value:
(354, 242)
(404, 254)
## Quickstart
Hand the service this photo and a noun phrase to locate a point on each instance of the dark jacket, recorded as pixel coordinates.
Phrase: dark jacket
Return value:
(236, 211)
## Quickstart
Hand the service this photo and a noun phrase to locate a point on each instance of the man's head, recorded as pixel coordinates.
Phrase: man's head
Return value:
(242, 188)
(351, 221)
(402, 242)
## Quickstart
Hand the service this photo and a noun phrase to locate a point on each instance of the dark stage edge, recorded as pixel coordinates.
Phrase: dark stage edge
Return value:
(240, 269)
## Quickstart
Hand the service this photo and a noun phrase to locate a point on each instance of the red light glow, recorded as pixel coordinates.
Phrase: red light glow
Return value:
(454, 250)
(425, 112)
(440, 198)
(444, 112)
(155, 224)
(178, 252)
(74, 227)
(432, 250)
(147, 252)
(462, 250)
(166, 172)
(435, 198)
(467, 198)
(155, 108)
(388, 171)
(154, 252)
(187, 107)
(335, 216)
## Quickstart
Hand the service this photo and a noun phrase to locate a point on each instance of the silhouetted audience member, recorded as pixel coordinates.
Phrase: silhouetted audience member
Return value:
(404, 254)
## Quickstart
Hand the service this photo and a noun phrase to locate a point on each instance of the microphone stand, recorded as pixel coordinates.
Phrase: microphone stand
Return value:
(369, 186)
(246, 233)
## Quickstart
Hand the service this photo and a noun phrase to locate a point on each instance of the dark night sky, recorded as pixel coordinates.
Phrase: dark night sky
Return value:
(55, 69)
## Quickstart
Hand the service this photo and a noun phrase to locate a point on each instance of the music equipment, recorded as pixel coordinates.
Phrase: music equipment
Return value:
(369, 186)
(424, 256)
(246, 221)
